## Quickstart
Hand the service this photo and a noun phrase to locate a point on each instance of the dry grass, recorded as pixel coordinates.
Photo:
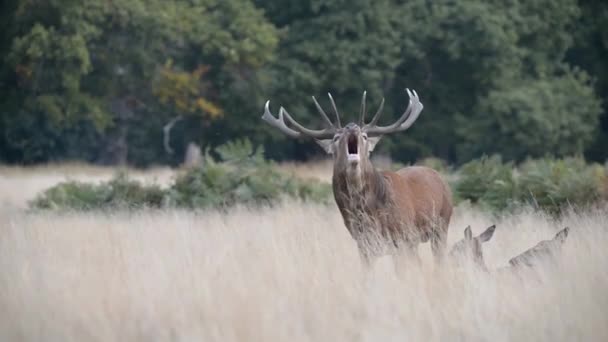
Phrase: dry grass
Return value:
(289, 274)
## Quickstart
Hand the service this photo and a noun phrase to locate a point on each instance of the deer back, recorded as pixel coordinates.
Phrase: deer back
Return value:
(422, 194)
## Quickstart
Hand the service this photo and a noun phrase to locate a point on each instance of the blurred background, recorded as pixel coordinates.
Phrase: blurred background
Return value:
(97, 81)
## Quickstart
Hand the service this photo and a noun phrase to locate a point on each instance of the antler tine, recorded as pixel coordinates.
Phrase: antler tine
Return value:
(322, 112)
(333, 104)
(408, 111)
(319, 134)
(363, 111)
(377, 115)
(299, 129)
(406, 120)
(278, 123)
(415, 107)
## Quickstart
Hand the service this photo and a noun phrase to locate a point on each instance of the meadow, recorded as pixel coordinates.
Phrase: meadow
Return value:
(288, 272)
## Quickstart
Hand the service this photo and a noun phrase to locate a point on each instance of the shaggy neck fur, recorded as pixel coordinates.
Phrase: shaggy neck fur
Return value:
(359, 189)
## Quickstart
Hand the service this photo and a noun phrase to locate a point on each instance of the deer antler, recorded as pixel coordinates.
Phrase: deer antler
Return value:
(406, 120)
(363, 111)
(298, 129)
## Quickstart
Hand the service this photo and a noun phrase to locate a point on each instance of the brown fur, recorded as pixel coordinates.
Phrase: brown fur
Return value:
(405, 208)
(471, 247)
(402, 208)
(544, 251)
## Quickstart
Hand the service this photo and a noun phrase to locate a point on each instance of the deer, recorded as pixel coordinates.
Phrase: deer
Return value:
(471, 247)
(543, 251)
(399, 209)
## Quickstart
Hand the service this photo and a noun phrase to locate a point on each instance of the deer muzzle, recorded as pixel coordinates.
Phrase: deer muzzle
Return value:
(352, 146)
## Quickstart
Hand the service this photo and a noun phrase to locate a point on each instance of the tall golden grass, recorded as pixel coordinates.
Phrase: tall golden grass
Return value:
(289, 273)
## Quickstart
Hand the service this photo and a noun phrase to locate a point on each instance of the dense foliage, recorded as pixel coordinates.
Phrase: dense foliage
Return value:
(240, 175)
(120, 192)
(97, 81)
(548, 184)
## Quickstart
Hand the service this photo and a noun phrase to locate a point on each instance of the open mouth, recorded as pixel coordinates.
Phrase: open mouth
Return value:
(353, 148)
(353, 145)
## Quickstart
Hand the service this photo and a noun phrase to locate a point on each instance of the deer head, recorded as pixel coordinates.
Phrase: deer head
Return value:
(471, 247)
(544, 250)
(352, 144)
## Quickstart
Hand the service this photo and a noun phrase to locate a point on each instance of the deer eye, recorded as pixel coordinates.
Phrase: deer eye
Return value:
(364, 137)
(336, 137)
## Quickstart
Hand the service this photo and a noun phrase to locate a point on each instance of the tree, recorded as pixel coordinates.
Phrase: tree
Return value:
(93, 66)
(467, 60)
(590, 52)
(533, 119)
(342, 47)
(99, 80)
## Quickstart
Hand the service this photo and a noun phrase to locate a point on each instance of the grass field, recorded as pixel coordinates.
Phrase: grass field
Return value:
(291, 273)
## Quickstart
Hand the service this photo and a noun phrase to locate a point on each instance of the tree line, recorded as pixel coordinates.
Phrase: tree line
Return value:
(98, 80)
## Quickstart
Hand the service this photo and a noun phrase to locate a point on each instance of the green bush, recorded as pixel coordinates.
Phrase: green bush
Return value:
(551, 184)
(240, 175)
(118, 192)
(487, 182)
(547, 184)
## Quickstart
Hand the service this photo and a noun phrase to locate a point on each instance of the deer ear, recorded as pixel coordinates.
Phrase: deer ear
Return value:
(468, 235)
(487, 235)
(371, 143)
(327, 144)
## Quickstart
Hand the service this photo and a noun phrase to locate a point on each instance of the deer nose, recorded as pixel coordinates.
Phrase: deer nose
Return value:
(352, 128)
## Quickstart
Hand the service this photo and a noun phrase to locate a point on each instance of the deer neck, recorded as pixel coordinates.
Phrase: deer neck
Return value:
(364, 183)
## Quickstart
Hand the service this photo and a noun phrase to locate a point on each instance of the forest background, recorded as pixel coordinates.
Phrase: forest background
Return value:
(97, 81)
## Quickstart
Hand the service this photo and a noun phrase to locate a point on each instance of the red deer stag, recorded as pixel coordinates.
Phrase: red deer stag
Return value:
(400, 209)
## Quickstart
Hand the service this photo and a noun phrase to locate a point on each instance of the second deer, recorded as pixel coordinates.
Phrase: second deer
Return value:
(471, 247)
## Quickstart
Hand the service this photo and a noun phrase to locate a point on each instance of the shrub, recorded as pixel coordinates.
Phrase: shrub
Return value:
(551, 184)
(603, 177)
(486, 182)
(241, 175)
(118, 192)
(547, 184)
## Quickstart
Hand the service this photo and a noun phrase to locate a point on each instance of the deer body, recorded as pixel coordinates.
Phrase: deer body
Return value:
(402, 208)
(407, 207)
